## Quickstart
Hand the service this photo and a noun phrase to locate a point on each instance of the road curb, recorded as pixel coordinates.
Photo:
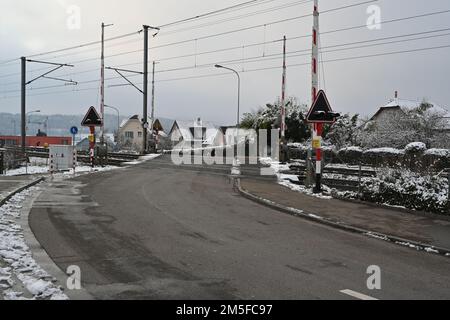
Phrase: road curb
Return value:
(403, 210)
(19, 190)
(445, 252)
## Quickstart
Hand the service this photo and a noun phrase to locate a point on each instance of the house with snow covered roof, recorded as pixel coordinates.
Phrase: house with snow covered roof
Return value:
(131, 134)
(399, 106)
(186, 134)
(163, 126)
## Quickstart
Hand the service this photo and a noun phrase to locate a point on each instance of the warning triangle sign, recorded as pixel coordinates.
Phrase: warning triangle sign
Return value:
(92, 118)
(321, 111)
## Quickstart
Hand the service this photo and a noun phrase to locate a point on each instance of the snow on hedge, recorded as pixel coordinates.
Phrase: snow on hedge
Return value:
(407, 189)
(297, 145)
(386, 150)
(438, 152)
(351, 149)
(415, 147)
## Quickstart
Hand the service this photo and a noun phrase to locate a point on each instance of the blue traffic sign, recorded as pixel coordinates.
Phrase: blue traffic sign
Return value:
(74, 130)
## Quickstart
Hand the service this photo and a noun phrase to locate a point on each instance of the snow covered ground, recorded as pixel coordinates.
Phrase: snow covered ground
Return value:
(44, 170)
(20, 276)
(143, 158)
(287, 180)
(40, 166)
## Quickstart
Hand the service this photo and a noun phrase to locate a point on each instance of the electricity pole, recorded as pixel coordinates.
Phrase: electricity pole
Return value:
(145, 91)
(23, 102)
(153, 99)
(24, 84)
(283, 105)
(102, 85)
(283, 95)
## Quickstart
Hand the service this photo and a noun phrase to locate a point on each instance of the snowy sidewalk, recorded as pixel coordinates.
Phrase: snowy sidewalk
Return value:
(20, 275)
(432, 230)
(9, 184)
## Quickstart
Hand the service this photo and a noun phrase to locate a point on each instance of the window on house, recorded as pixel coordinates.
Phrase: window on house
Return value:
(129, 134)
(140, 134)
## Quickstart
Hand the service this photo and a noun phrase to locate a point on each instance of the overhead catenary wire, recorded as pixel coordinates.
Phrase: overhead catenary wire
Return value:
(245, 71)
(208, 36)
(384, 22)
(290, 54)
(351, 58)
(87, 44)
(297, 51)
(80, 45)
(335, 46)
(258, 26)
(212, 13)
(246, 15)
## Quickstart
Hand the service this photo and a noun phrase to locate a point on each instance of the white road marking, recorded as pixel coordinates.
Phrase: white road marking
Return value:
(357, 295)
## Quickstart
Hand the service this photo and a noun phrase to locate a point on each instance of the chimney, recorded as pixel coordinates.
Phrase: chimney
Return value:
(396, 94)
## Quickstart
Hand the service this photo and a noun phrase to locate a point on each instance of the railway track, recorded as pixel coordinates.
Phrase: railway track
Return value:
(113, 158)
(299, 169)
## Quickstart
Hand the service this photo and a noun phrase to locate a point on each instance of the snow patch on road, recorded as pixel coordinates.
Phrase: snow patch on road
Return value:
(17, 260)
(377, 236)
(147, 157)
(404, 243)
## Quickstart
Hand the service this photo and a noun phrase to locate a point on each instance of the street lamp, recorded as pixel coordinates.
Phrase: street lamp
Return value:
(35, 111)
(118, 118)
(239, 91)
(238, 122)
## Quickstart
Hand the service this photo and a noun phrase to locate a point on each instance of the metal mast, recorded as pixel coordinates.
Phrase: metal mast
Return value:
(145, 92)
(102, 85)
(283, 96)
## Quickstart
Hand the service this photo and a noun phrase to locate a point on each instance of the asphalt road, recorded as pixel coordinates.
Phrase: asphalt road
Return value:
(159, 231)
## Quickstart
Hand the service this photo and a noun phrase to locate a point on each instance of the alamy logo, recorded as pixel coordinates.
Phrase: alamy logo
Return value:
(374, 20)
(374, 280)
(74, 17)
(242, 146)
(74, 279)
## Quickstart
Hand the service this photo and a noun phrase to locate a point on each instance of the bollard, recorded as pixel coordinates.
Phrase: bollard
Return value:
(309, 169)
(359, 180)
(2, 161)
(448, 193)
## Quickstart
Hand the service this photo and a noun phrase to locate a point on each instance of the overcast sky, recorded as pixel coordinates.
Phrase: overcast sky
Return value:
(356, 85)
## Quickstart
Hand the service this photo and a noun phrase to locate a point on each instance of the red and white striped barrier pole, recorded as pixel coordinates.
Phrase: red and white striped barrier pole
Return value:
(74, 159)
(317, 127)
(92, 145)
(315, 51)
(318, 142)
(52, 167)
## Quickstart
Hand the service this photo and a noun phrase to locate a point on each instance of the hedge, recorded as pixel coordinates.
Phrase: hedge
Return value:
(410, 190)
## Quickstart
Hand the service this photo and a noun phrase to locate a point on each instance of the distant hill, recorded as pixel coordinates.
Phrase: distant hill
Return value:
(58, 125)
